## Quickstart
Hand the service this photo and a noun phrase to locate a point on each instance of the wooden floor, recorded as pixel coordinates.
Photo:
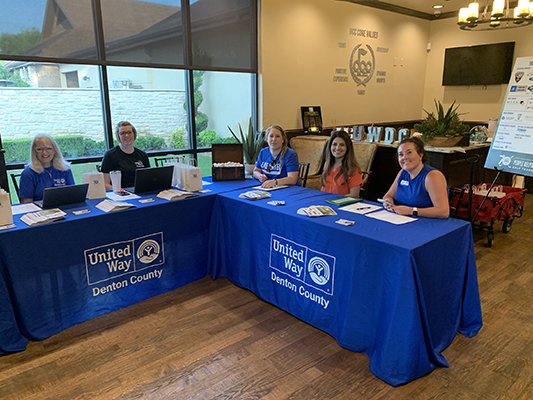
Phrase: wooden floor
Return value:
(213, 340)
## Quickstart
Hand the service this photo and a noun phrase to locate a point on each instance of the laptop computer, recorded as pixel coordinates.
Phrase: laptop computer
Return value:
(63, 195)
(151, 179)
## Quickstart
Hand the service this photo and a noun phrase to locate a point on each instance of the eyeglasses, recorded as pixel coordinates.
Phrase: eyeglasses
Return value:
(42, 149)
(271, 165)
(126, 133)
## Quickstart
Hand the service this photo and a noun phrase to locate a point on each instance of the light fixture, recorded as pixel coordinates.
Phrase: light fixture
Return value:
(501, 16)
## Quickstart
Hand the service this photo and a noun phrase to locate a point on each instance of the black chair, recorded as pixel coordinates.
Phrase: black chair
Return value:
(15, 183)
(303, 171)
(159, 162)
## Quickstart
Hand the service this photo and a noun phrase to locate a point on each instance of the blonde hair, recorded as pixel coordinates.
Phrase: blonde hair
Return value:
(285, 141)
(58, 162)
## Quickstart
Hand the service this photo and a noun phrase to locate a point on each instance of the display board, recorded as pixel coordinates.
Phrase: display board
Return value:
(511, 149)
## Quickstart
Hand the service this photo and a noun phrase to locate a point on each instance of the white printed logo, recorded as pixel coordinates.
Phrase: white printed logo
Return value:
(319, 270)
(148, 251)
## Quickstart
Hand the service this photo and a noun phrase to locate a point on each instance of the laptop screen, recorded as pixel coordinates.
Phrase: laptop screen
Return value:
(63, 195)
(151, 179)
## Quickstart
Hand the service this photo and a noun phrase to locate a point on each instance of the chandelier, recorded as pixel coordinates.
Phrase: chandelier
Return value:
(501, 16)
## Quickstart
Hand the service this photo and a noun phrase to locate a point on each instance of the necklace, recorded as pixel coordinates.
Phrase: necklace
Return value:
(49, 172)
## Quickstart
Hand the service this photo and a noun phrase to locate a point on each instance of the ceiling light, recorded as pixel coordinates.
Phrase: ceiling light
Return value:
(500, 16)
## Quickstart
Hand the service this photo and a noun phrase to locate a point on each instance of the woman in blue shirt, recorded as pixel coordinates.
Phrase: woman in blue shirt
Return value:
(276, 164)
(47, 168)
(418, 190)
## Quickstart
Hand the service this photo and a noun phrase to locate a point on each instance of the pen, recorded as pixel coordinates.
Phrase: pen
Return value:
(363, 208)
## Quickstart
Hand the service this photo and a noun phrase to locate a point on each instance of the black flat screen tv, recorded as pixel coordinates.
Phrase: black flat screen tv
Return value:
(488, 64)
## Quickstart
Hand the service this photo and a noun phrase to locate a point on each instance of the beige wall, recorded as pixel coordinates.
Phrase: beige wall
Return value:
(299, 53)
(480, 103)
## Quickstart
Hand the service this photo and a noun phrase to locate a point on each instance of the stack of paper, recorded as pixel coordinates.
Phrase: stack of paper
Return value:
(42, 217)
(255, 195)
(110, 205)
(175, 194)
(317, 211)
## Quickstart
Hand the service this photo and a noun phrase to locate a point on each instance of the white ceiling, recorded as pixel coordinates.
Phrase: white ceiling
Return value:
(426, 6)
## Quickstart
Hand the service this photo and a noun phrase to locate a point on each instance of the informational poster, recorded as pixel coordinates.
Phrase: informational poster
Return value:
(512, 145)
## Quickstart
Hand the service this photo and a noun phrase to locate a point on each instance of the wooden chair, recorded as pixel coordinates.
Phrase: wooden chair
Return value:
(309, 149)
(364, 155)
(15, 183)
(303, 171)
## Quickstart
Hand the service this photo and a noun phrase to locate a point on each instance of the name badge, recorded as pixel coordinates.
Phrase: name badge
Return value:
(404, 182)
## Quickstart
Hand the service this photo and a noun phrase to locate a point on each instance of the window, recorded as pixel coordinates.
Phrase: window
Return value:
(74, 68)
(154, 102)
(44, 100)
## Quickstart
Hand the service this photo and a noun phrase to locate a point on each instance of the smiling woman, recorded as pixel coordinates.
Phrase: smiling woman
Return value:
(418, 190)
(124, 157)
(46, 169)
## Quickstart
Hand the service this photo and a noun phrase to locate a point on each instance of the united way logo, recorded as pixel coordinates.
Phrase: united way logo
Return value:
(362, 64)
(127, 257)
(319, 270)
(148, 251)
(302, 263)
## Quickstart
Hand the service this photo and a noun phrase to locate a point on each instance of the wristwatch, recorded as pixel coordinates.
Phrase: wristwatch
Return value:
(415, 212)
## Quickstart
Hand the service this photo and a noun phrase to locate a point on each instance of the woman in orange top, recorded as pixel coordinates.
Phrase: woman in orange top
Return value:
(342, 174)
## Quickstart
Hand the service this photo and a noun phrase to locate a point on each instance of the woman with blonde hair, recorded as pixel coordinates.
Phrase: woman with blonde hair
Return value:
(276, 164)
(47, 168)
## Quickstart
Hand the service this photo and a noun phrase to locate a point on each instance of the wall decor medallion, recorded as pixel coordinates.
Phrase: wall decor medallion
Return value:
(362, 64)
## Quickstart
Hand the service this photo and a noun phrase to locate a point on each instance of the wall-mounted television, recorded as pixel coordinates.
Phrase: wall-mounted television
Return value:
(488, 64)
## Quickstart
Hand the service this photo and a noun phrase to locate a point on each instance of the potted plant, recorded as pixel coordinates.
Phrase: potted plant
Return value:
(252, 143)
(443, 129)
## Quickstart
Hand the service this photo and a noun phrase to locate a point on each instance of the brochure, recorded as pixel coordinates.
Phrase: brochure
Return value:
(255, 195)
(316, 211)
(175, 194)
(343, 201)
(43, 216)
(110, 205)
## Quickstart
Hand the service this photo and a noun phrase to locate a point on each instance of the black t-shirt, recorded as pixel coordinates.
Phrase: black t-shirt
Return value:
(116, 160)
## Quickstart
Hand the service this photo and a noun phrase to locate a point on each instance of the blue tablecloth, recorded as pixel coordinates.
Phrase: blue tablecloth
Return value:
(398, 293)
(59, 274)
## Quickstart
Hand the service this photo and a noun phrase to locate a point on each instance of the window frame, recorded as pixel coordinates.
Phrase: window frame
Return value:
(188, 69)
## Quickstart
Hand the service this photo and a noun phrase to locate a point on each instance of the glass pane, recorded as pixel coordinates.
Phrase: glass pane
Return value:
(61, 28)
(143, 31)
(154, 102)
(222, 33)
(62, 100)
(222, 99)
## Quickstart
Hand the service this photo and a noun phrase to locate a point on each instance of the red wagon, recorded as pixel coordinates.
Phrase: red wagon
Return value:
(508, 206)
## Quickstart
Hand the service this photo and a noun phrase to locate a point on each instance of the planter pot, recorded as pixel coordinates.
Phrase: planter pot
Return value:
(249, 169)
(443, 141)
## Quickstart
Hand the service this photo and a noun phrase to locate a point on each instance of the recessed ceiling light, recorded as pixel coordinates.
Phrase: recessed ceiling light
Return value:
(438, 6)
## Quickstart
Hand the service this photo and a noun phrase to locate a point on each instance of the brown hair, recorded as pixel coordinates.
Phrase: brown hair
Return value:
(349, 163)
(419, 146)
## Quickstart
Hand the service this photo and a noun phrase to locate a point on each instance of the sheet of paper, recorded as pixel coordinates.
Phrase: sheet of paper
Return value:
(24, 208)
(116, 197)
(271, 188)
(391, 217)
(206, 183)
(360, 208)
